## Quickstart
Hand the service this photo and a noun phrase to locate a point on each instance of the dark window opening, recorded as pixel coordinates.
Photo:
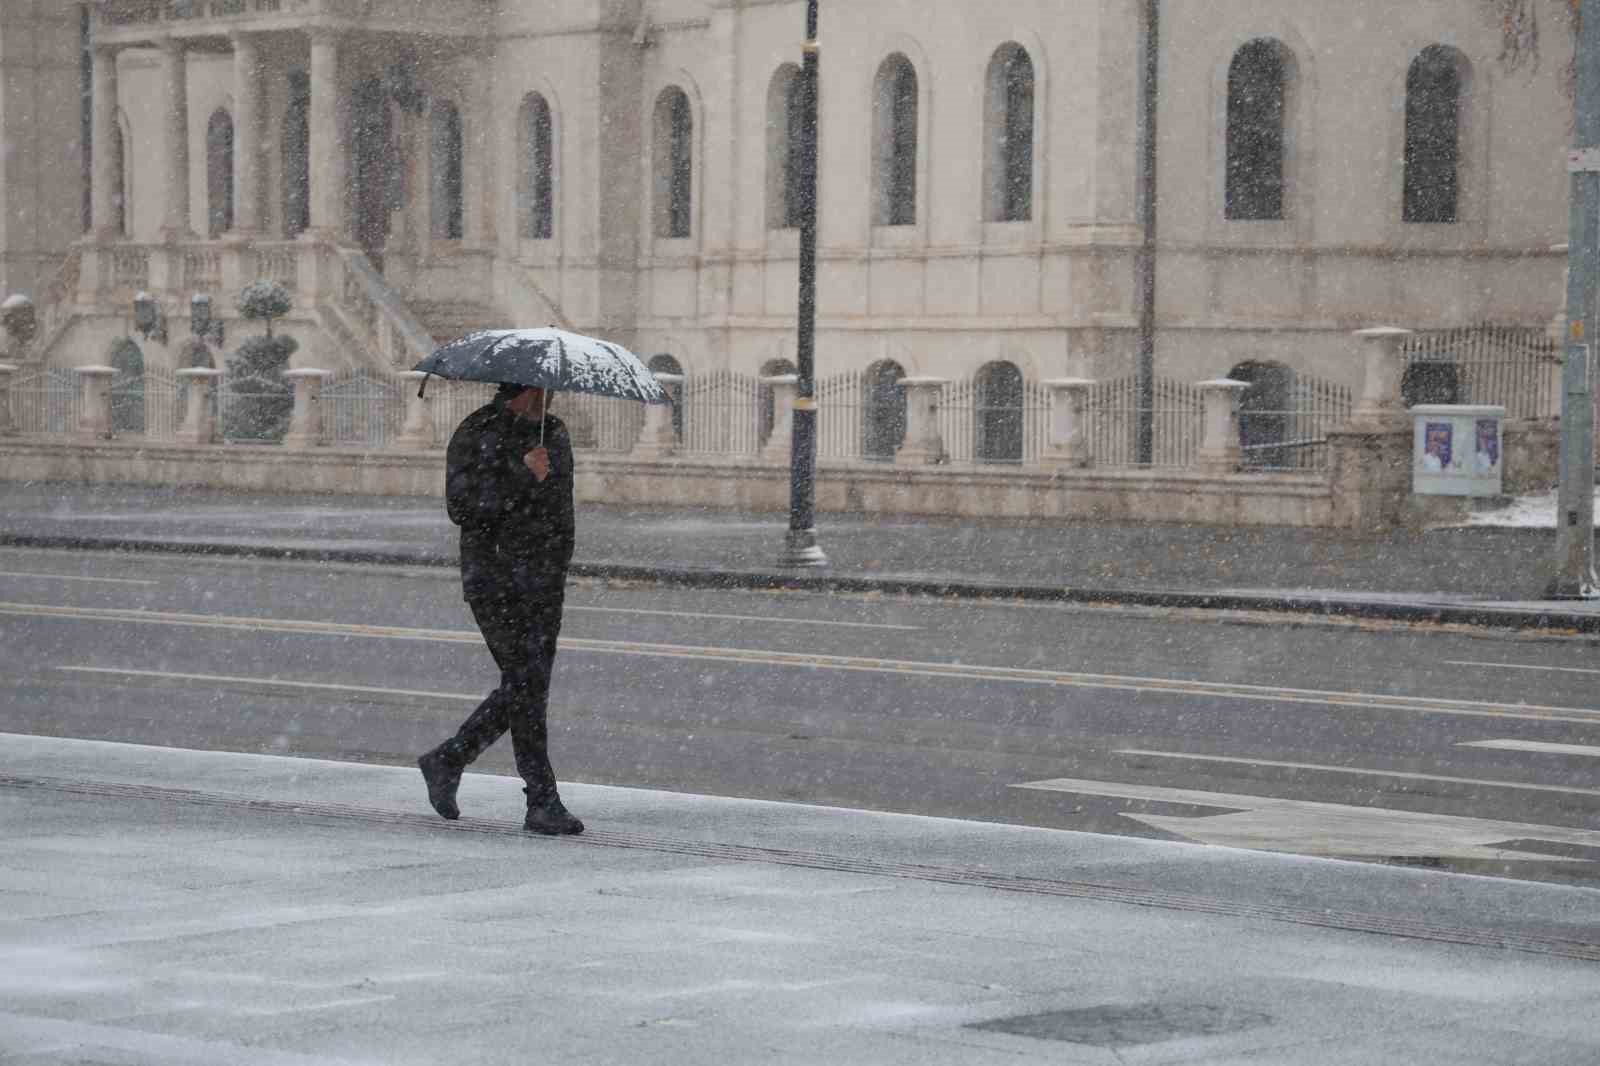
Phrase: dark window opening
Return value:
(1256, 86)
(1433, 137)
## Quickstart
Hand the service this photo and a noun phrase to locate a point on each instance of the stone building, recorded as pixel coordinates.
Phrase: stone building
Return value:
(412, 168)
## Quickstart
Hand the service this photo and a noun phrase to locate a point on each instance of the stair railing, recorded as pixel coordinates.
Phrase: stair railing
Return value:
(377, 314)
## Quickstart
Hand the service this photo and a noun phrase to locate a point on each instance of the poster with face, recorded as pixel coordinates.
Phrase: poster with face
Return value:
(1488, 445)
(1437, 441)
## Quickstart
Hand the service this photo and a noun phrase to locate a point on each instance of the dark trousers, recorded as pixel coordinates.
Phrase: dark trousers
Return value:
(521, 635)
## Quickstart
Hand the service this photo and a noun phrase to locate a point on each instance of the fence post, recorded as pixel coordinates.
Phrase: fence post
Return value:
(785, 390)
(200, 418)
(658, 439)
(1069, 445)
(94, 416)
(417, 433)
(1384, 366)
(1220, 452)
(305, 425)
(8, 427)
(924, 443)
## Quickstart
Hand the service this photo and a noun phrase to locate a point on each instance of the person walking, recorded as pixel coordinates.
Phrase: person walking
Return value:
(508, 485)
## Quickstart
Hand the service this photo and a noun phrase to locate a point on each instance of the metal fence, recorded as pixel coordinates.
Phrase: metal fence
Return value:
(47, 401)
(361, 409)
(1112, 419)
(1516, 367)
(721, 414)
(1286, 427)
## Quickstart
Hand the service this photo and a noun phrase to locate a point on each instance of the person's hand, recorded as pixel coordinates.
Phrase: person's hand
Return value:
(538, 461)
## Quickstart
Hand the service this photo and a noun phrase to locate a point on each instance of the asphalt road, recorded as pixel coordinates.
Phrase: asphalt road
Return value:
(1468, 750)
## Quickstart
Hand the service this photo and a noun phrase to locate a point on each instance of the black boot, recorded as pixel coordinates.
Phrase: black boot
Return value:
(550, 817)
(442, 772)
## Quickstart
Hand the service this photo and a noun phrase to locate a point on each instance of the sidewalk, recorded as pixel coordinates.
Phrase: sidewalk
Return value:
(200, 907)
(1473, 575)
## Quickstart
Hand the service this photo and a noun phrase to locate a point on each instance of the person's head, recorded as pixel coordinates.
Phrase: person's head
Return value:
(523, 401)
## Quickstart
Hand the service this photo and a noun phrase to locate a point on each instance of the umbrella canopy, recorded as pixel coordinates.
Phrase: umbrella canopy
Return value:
(546, 358)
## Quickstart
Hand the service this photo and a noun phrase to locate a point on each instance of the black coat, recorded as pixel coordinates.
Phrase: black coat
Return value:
(517, 533)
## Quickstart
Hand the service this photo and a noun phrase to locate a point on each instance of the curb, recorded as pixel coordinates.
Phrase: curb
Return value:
(1483, 616)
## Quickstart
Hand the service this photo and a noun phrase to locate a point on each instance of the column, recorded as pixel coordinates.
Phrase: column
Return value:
(1069, 446)
(1220, 452)
(94, 414)
(305, 424)
(200, 417)
(107, 180)
(658, 439)
(8, 428)
(418, 431)
(924, 443)
(174, 69)
(1381, 406)
(247, 177)
(327, 156)
(785, 390)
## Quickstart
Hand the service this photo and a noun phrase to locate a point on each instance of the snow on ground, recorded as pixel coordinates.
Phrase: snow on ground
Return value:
(1528, 512)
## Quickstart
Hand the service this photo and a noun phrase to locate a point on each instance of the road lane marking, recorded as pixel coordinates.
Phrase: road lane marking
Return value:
(1523, 666)
(268, 682)
(76, 577)
(904, 668)
(1308, 827)
(1534, 745)
(742, 617)
(1357, 771)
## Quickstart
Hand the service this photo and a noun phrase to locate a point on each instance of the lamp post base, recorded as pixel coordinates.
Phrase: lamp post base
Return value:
(800, 550)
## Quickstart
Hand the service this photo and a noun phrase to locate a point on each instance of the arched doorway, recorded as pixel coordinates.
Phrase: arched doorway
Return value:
(376, 166)
(1265, 413)
(127, 387)
(999, 411)
(883, 410)
(666, 364)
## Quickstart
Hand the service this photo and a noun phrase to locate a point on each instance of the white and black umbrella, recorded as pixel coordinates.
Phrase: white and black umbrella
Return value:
(546, 358)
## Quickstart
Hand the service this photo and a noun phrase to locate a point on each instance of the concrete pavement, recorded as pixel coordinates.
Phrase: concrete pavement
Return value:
(1462, 575)
(177, 906)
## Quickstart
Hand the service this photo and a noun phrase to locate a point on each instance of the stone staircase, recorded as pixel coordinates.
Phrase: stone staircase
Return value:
(445, 320)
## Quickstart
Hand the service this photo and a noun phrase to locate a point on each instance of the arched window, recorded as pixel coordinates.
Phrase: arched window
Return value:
(673, 163)
(1434, 86)
(768, 398)
(883, 422)
(127, 387)
(1008, 128)
(1266, 414)
(537, 181)
(297, 156)
(447, 165)
(785, 128)
(999, 414)
(219, 173)
(1257, 83)
(894, 170)
(666, 364)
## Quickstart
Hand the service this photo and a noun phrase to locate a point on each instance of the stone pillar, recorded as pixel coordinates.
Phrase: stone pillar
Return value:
(1380, 406)
(8, 427)
(106, 180)
(175, 76)
(327, 155)
(200, 417)
(305, 425)
(1069, 447)
(417, 433)
(94, 412)
(785, 390)
(658, 439)
(247, 156)
(1219, 442)
(923, 444)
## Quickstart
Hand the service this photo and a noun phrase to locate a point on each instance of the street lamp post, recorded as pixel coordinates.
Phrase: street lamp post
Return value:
(801, 547)
(1574, 548)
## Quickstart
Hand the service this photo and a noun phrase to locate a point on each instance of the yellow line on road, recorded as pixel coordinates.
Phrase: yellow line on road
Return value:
(900, 667)
(1523, 666)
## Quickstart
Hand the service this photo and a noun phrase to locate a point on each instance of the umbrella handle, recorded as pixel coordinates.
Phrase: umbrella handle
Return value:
(422, 388)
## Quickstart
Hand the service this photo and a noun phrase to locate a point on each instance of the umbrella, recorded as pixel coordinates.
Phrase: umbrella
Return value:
(546, 358)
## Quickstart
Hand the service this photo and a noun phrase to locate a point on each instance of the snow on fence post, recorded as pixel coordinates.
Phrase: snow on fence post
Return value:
(659, 439)
(1220, 452)
(305, 424)
(418, 431)
(924, 443)
(200, 417)
(1068, 447)
(785, 391)
(1381, 406)
(94, 415)
(8, 427)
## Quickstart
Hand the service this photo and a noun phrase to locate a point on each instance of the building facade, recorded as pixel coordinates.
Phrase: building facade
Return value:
(414, 168)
